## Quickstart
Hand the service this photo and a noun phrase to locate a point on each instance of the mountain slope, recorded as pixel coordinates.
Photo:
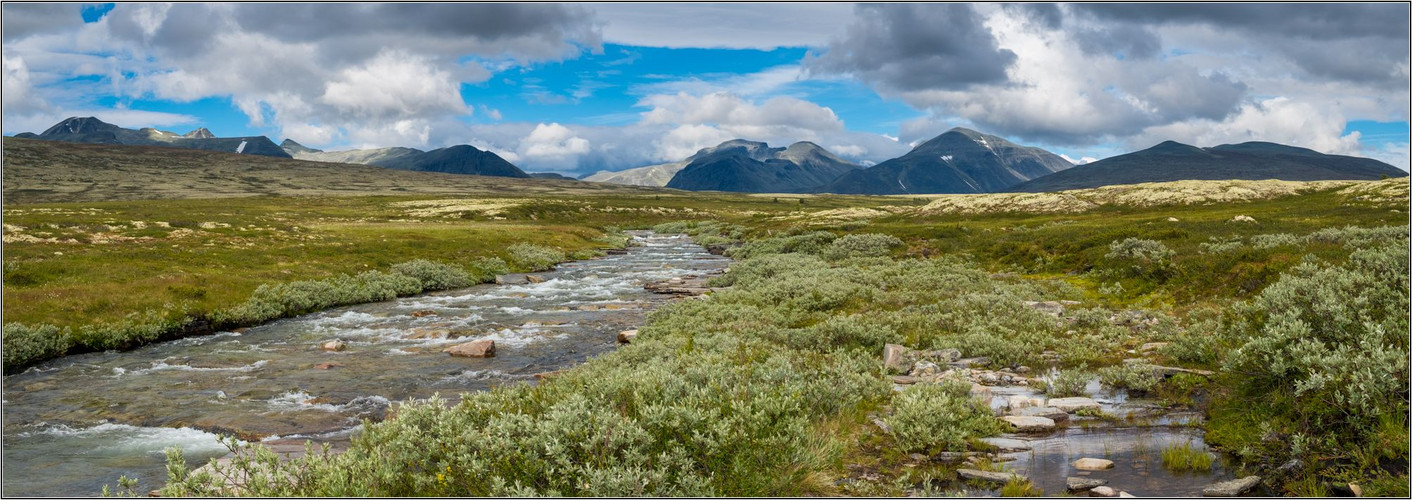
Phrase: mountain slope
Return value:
(454, 160)
(959, 161)
(1174, 161)
(95, 131)
(651, 175)
(754, 167)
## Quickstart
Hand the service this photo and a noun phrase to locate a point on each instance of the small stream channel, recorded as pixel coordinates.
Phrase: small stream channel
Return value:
(74, 424)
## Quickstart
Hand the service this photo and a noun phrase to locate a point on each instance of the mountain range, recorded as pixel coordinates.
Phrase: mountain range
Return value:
(1174, 161)
(755, 167)
(461, 159)
(93, 130)
(957, 161)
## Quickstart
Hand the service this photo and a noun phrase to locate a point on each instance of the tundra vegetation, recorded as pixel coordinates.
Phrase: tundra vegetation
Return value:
(773, 384)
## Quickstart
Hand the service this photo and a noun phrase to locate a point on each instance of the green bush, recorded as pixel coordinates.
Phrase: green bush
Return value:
(28, 344)
(861, 245)
(812, 243)
(931, 418)
(1134, 376)
(434, 275)
(1142, 257)
(1067, 383)
(535, 257)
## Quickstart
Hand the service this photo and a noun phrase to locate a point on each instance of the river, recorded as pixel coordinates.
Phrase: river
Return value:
(76, 423)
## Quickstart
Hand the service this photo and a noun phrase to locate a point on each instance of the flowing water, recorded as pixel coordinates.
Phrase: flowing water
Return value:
(74, 424)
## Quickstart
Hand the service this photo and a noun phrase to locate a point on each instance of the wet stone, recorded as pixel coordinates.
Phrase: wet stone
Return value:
(1093, 464)
(534, 278)
(1074, 404)
(1103, 491)
(1048, 412)
(511, 279)
(1007, 444)
(334, 345)
(423, 313)
(1029, 424)
(1084, 483)
(475, 349)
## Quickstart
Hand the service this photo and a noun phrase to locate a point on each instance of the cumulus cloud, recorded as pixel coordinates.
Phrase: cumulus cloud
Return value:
(25, 19)
(910, 47)
(19, 99)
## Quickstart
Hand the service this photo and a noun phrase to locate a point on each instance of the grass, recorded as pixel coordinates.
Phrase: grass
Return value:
(1186, 458)
(770, 379)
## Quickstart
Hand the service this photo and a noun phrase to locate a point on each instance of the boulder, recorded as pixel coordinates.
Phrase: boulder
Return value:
(1103, 491)
(943, 355)
(535, 278)
(925, 369)
(984, 475)
(896, 358)
(423, 313)
(1071, 405)
(511, 279)
(1048, 412)
(1084, 483)
(1019, 401)
(1029, 424)
(1232, 488)
(1093, 464)
(474, 349)
(627, 336)
(334, 345)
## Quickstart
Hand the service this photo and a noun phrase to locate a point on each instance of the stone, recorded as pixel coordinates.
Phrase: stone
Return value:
(904, 380)
(1048, 412)
(924, 369)
(1152, 346)
(1029, 424)
(1007, 444)
(1103, 491)
(1093, 464)
(1357, 490)
(969, 362)
(1084, 483)
(1022, 369)
(325, 366)
(428, 333)
(1071, 405)
(511, 279)
(334, 345)
(1232, 488)
(896, 358)
(627, 336)
(989, 378)
(1243, 218)
(474, 349)
(981, 392)
(1173, 219)
(994, 477)
(1124, 494)
(423, 313)
(943, 355)
(1019, 401)
(535, 278)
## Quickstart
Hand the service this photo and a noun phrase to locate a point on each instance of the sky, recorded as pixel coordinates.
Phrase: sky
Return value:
(578, 88)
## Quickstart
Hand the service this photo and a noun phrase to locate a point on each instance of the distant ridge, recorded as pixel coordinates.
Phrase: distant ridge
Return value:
(92, 130)
(1174, 161)
(460, 159)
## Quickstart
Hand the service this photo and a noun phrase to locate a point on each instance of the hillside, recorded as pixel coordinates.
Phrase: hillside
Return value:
(958, 161)
(651, 175)
(1174, 161)
(754, 167)
(38, 171)
(460, 159)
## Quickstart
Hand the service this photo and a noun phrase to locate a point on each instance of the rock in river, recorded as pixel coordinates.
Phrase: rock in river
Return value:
(1093, 464)
(1232, 488)
(1084, 483)
(1048, 412)
(1073, 404)
(1029, 424)
(994, 477)
(476, 349)
(334, 345)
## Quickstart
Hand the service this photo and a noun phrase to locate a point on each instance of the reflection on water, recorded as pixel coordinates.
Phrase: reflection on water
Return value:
(74, 424)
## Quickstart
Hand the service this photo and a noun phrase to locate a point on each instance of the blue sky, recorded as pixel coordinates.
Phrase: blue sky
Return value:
(576, 88)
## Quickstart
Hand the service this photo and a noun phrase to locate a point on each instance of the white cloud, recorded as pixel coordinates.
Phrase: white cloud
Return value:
(19, 99)
(552, 141)
(686, 140)
(394, 84)
(1392, 153)
(1279, 119)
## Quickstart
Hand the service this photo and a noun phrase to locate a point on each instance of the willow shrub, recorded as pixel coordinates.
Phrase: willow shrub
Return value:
(535, 257)
(931, 418)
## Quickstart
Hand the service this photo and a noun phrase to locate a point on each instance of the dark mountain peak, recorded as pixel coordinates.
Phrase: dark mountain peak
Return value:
(80, 125)
(1175, 148)
(200, 133)
(754, 167)
(1257, 147)
(959, 160)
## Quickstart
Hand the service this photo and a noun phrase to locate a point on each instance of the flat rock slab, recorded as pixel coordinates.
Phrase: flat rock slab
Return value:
(1071, 405)
(1048, 412)
(512, 279)
(1103, 491)
(1232, 488)
(1029, 424)
(1008, 444)
(1093, 464)
(1084, 483)
(994, 477)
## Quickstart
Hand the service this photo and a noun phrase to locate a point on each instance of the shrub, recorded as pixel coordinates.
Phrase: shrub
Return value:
(929, 418)
(812, 243)
(1067, 383)
(1143, 257)
(486, 268)
(1267, 241)
(434, 275)
(1134, 376)
(1221, 245)
(535, 257)
(862, 245)
(29, 344)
